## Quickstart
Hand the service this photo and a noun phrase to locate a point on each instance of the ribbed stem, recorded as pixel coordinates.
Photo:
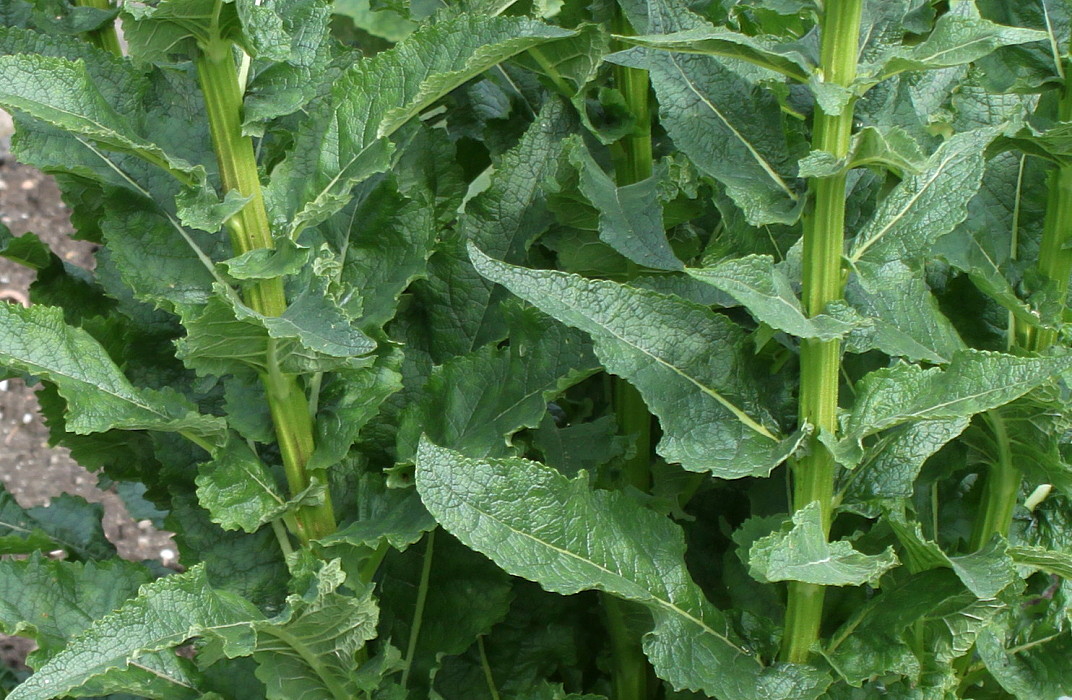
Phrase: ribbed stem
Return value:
(249, 230)
(820, 362)
(105, 37)
(1002, 487)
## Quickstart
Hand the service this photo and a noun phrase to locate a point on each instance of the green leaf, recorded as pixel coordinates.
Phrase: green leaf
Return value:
(459, 304)
(348, 399)
(790, 60)
(54, 601)
(889, 467)
(579, 446)
(732, 129)
(381, 513)
(475, 403)
(537, 524)
(685, 360)
(1039, 670)
(69, 99)
(630, 217)
(27, 250)
(348, 141)
(800, 552)
(925, 206)
(1042, 559)
(891, 148)
(956, 40)
(985, 572)
(264, 263)
(37, 341)
(975, 381)
(68, 523)
(766, 291)
(236, 488)
(163, 615)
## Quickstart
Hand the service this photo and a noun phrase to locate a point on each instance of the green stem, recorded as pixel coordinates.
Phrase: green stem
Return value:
(418, 608)
(1002, 487)
(820, 362)
(631, 676)
(249, 230)
(489, 679)
(105, 37)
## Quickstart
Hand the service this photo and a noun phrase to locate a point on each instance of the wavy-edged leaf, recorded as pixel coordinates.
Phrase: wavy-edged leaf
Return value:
(799, 551)
(54, 601)
(460, 305)
(37, 341)
(537, 524)
(684, 359)
(68, 522)
(925, 206)
(890, 466)
(165, 613)
(732, 129)
(348, 140)
(957, 39)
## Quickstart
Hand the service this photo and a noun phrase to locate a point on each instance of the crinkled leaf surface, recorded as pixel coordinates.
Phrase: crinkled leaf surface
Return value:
(537, 524)
(685, 360)
(236, 488)
(36, 340)
(164, 614)
(347, 141)
(68, 523)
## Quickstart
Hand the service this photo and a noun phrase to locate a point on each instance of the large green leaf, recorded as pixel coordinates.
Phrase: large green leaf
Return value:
(163, 615)
(975, 381)
(630, 217)
(537, 524)
(54, 601)
(476, 402)
(767, 292)
(685, 360)
(348, 140)
(732, 129)
(36, 340)
(62, 93)
(236, 488)
(461, 307)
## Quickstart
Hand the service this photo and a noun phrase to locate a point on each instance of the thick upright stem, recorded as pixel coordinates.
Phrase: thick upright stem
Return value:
(105, 37)
(820, 362)
(249, 230)
(632, 677)
(1002, 487)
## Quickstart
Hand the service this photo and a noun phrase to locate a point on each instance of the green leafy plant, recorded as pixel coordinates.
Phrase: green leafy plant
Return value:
(634, 350)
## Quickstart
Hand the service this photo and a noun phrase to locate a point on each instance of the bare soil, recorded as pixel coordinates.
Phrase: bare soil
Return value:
(31, 470)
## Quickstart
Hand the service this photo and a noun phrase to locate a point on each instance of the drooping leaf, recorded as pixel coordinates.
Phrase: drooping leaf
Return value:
(801, 552)
(711, 420)
(381, 513)
(889, 467)
(600, 540)
(36, 340)
(163, 615)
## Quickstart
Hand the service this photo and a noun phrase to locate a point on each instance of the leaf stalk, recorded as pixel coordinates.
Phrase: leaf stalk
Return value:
(249, 230)
(820, 362)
